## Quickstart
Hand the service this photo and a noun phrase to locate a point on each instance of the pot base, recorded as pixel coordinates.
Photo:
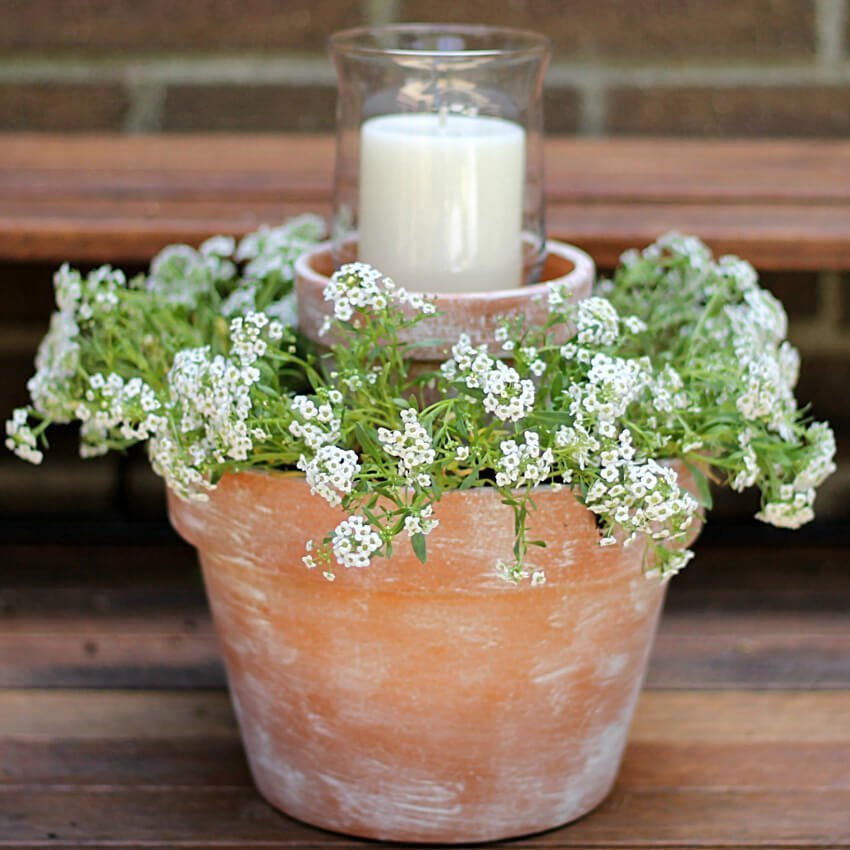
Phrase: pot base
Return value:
(489, 832)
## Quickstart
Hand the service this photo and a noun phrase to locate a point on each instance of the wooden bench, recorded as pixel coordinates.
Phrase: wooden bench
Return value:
(783, 205)
(115, 729)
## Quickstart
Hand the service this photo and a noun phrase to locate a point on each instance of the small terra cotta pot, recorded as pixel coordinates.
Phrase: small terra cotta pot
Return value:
(477, 314)
(425, 703)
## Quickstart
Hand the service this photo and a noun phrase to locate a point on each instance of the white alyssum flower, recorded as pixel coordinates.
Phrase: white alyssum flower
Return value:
(317, 424)
(20, 438)
(613, 383)
(507, 395)
(56, 364)
(354, 542)
(248, 335)
(358, 287)
(523, 464)
(577, 443)
(330, 472)
(597, 322)
(423, 522)
(412, 446)
(821, 441)
(643, 497)
(81, 301)
(271, 252)
(791, 513)
(181, 276)
(117, 411)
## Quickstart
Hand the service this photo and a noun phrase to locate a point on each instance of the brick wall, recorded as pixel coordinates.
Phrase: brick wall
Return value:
(690, 67)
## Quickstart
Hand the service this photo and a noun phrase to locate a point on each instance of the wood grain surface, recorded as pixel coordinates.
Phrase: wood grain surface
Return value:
(782, 204)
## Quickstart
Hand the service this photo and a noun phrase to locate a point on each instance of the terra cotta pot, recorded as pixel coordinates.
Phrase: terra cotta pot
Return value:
(427, 703)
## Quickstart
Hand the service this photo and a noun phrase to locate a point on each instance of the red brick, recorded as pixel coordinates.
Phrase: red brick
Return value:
(249, 108)
(741, 111)
(644, 29)
(62, 107)
(153, 25)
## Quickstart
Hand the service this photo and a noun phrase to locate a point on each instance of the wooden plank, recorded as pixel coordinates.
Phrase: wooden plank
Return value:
(628, 818)
(94, 660)
(176, 761)
(636, 169)
(742, 716)
(219, 761)
(661, 716)
(778, 237)
(715, 765)
(782, 204)
(176, 650)
(98, 715)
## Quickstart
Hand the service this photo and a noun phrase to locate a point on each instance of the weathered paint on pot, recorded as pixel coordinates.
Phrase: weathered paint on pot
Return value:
(431, 703)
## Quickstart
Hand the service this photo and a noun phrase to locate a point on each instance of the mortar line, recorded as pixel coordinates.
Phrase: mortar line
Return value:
(312, 68)
(147, 102)
(830, 23)
(829, 299)
(593, 109)
(381, 12)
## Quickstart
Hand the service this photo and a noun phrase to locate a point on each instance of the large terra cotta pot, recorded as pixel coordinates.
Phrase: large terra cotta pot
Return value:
(427, 703)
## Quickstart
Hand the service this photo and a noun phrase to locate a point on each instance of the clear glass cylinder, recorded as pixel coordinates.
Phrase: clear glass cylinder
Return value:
(439, 164)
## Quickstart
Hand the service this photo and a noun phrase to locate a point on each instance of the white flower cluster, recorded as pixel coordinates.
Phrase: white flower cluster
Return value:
(183, 276)
(330, 472)
(354, 542)
(212, 395)
(20, 438)
(523, 464)
(272, 251)
(577, 443)
(690, 248)
(269, 255)
(412, 446)
(316, 424)
(821, 443)
(507, 395)
(642, 497)
(80, 301)
(358, 287)
(793, 510)
(597, 322)
(748, 474)
(613, 383)
(423, 522)
(768, 365)
(86, 298)
(667, 391)
(794, 506)
(247, 338)
(116, 410)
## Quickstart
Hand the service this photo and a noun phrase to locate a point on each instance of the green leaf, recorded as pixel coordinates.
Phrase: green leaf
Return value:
(551, 417)
(420, 547)
(366, 440)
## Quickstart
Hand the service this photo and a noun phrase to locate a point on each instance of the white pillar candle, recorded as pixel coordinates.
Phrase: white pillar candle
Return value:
(441, 200)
